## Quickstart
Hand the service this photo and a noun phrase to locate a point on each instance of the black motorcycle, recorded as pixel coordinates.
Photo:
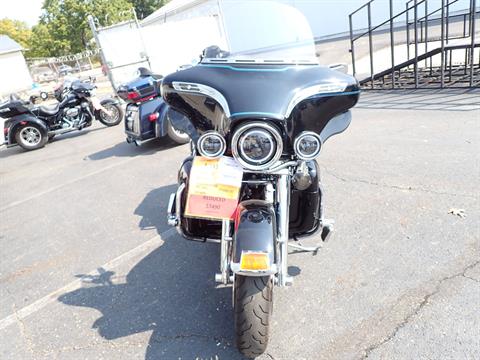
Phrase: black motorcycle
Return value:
(258, 117)
(32, 127)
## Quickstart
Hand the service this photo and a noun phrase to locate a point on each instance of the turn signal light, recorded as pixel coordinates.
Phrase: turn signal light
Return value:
(254, 261)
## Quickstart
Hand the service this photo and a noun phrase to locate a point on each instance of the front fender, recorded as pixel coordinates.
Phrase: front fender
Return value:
(162, 122)
(20, 120)
(109, 101)
(255, 231)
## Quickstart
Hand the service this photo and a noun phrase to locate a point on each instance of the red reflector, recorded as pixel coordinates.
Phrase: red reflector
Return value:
(133, 95)
(153, 117)
(23, 123)
(5, 131)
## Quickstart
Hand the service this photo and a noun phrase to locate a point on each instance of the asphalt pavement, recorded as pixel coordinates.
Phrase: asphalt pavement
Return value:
(89, 268)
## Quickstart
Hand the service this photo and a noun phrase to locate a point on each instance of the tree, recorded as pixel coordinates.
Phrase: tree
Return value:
(43, 44)
(144, 8)
(16, 30)
(63, 27)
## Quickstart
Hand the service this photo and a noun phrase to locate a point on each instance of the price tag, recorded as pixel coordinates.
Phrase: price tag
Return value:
(213, 188)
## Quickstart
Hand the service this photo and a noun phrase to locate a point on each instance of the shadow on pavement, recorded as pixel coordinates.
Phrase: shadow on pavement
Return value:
(17, 149)
(170, 292)
(75, 134)
(123, 149)
(421, 99)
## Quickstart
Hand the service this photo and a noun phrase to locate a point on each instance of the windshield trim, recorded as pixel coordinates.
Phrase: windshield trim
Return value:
(237, 61)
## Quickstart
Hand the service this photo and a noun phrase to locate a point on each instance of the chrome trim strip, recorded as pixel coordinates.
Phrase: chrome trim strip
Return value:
(282, 195)
(326, 89)
(323, 89)
(205, 90)
(172, 218)
(225, 244)
(235, 267)
(279, 168)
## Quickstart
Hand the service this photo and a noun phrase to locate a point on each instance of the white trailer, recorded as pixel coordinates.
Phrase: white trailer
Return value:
(14, 73)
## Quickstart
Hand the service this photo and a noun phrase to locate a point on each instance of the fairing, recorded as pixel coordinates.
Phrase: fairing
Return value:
(271, 92)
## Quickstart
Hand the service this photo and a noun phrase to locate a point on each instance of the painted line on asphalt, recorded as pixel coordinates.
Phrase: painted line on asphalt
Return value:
(77, 284)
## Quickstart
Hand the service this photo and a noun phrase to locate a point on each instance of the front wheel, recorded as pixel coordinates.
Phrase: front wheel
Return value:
(31, 137)
(252, 304)
(113, 117)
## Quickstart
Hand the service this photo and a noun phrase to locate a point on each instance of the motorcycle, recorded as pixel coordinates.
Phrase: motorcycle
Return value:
(147, 116)
(260, 113)
(32, 127)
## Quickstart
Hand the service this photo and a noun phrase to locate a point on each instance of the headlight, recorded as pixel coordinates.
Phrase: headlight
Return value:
(307, 145)
(257, 146)
(211, 145)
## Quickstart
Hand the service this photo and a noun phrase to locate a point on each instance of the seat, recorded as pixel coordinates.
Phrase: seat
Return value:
(48, 110)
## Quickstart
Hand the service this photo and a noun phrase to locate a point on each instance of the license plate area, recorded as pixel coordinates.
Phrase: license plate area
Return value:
(214, 188)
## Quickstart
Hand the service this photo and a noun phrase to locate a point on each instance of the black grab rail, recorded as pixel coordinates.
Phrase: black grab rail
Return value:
(420, 24)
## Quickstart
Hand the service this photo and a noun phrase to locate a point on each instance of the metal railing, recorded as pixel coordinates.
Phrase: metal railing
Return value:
(422, 34)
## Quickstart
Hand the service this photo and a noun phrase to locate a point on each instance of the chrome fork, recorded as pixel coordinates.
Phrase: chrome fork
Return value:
(223, 276)
(282, 197)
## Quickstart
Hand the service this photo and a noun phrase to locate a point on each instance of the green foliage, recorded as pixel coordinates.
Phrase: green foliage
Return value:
(146, 7)
(16, 30)
(63, 27)
(43, 44)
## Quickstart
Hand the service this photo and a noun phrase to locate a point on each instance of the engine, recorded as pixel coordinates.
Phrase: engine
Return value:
(71, 117)
(72, 113)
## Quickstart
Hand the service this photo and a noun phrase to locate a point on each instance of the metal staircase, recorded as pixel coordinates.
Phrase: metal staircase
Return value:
(417, 47)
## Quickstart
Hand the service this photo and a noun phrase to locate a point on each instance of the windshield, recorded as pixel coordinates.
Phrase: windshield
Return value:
(263, 31)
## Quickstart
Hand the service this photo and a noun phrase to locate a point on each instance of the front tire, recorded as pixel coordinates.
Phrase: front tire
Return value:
(31, 137)
(252, 304)
(115, 117)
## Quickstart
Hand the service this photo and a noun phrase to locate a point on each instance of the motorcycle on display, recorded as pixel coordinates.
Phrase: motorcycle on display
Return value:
(147, 116)
(32, 127)
(259, 115)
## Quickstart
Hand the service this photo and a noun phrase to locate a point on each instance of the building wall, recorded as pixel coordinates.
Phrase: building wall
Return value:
(199, 9)
(14, 74)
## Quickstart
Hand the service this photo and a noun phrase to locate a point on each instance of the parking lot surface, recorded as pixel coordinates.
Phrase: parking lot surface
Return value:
(89, 268)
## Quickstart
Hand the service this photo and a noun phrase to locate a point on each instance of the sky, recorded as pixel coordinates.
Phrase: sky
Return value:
(25, 10)
(30, 10)
(334, 18)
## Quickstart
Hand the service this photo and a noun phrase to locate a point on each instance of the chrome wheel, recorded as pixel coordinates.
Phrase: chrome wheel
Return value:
(180, 134)
(113, 115)
(30, 136)
(177, 136)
